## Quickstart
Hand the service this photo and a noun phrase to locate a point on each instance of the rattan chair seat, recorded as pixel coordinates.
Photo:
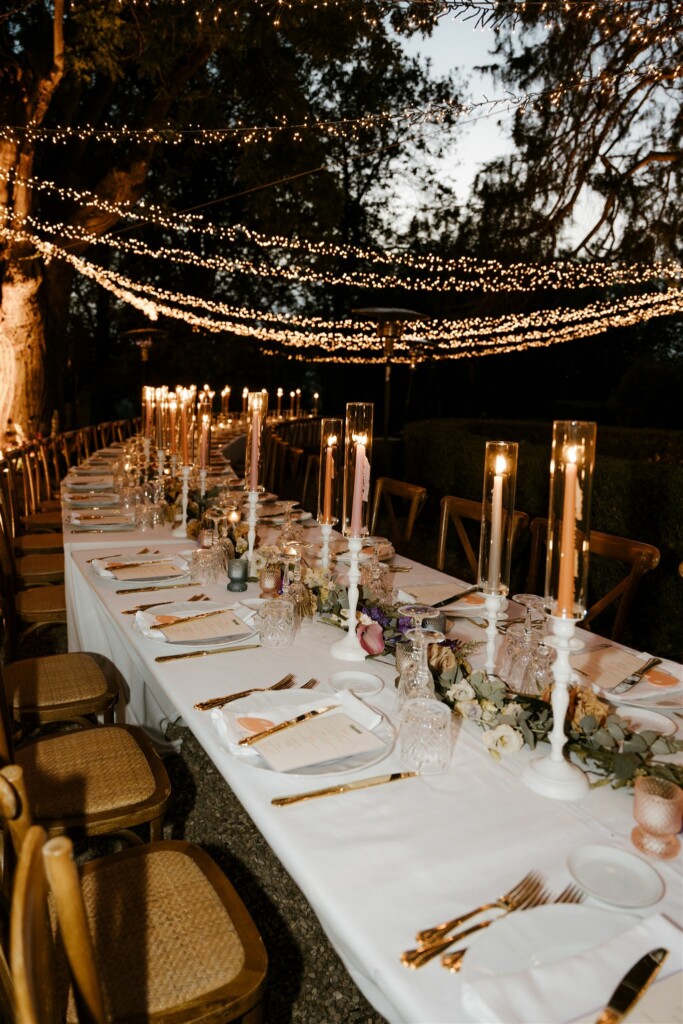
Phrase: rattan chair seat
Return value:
(161, 926)
(58, 679)
(42, 521)
(41, 568)
(39, 603)
(59, 790)
(39, 543)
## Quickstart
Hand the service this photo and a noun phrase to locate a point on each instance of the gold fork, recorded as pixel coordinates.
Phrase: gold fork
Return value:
(453, 961)
(429, 935)
(533, 894)
(310, 685)
(218, 702)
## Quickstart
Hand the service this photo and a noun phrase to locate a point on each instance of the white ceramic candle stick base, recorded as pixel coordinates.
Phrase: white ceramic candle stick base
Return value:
(251, 535)
(160, 463)
(554, 776)
(181, 528)
(202, 482)
(326, 530)
(349, 648)
(493, 603)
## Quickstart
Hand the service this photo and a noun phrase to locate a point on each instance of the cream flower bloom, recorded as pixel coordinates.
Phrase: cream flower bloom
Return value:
(502, 740)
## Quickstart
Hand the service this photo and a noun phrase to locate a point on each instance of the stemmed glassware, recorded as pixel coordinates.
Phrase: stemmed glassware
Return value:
(289, 531)
(374, 576)
(416, 678)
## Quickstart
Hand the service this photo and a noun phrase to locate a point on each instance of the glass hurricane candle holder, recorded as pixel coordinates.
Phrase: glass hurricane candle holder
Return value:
(571, 482)
(257, 410)
(329, 481)
(658, 808)
(357, 460)
(497, 519)
(270, 579)
(237, 574)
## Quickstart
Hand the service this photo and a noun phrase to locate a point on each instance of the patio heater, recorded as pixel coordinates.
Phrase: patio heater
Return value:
(390, 325)
(143, 338)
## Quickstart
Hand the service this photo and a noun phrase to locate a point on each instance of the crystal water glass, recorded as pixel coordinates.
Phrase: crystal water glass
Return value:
(276, 623)
(425, 739)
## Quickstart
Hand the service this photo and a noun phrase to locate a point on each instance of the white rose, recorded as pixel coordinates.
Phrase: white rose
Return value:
(364, 619)
(461, 691)
(502, 740)
(469, 709)
(512, 710)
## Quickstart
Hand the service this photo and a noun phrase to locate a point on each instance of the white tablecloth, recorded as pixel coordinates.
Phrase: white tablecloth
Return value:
(380, 863)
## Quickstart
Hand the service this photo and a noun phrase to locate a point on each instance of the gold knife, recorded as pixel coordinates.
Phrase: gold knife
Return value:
(347, 787)
(632, 986)
(257, 737)
(204, 654)
(150, 590)
(180, 621)
(135, 565)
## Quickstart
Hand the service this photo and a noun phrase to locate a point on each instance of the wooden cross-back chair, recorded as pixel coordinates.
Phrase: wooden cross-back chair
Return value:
(389, 496)
(456, 511)
(93, 781)
(633, 559)
(309, 488)
(24, 543)
(150, 933)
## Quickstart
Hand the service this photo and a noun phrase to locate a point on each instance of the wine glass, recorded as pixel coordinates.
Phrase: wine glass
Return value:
(289, 532)
(535, 606)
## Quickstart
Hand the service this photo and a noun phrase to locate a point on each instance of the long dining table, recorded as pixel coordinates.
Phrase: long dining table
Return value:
(379, 863)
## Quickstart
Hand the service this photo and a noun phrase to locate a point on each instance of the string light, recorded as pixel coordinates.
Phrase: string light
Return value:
(466, 274)
(346, 340)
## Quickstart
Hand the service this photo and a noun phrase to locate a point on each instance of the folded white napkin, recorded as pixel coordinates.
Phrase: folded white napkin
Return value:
(226, 722)
(575, 986)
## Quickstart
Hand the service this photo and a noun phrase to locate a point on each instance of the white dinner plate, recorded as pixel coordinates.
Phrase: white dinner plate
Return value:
(543, 935)
(99, 567)
(279, 519)
(93, 500)
(615, 876)
(185, 609)
(340, 549)
(259, 702)
(642, 720)
(361, 683)
(657, 702)
(100, 527)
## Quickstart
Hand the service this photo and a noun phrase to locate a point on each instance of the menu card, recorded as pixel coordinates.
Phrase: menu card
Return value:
(317, 741)
(211, 626)
(157, 570)
(607, 666)
(433, 593)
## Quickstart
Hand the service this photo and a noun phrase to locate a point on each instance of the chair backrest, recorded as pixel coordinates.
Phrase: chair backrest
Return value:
(16, 822)
(458, 511)
(400, 528)
(636, 558)
(47, 865)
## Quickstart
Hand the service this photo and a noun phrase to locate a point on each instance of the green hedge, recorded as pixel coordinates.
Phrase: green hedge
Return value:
(637, 493)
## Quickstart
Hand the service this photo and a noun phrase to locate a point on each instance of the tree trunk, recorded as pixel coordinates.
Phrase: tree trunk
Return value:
(22, 352)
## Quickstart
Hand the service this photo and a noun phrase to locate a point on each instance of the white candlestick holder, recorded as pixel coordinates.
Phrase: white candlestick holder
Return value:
(493, 604)
(202, 482)
(146, 443)
(349, 648)
(251, 535)
(554, 776)
(181, 528)
(160, 463)
(326, 530)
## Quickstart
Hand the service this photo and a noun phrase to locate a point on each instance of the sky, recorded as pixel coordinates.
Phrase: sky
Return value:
(455, 46)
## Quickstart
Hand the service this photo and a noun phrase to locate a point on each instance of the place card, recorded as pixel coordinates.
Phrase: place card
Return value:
(607, 666)
(158, 570)
(212, 626)
(317, 741)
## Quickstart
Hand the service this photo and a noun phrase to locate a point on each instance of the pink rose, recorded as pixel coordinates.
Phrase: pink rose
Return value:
(371, 638)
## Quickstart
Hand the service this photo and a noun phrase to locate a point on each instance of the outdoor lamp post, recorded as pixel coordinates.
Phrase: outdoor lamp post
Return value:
(390, 324)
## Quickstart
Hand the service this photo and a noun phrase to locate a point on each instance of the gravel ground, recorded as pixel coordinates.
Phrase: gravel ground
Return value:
(308, 984)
